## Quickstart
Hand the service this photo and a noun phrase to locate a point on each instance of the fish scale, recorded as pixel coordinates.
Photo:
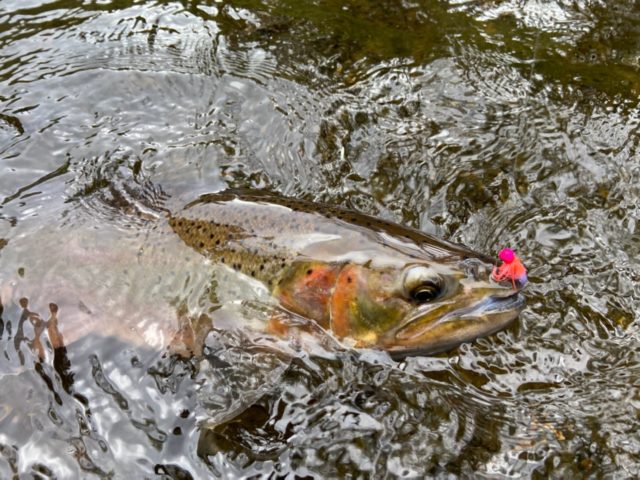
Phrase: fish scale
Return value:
(249, 237)
(253, 230)
(228, 244)
(262, 239)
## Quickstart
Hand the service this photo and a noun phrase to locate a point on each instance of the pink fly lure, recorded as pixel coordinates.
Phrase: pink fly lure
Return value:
(511, 268)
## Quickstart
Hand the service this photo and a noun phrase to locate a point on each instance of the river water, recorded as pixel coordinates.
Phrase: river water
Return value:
(491, 123)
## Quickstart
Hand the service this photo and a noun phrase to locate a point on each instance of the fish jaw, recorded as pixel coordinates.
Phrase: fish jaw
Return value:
(423, 334)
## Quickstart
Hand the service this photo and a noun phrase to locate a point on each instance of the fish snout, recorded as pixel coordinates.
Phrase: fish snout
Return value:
(483, 273)
(477, 270)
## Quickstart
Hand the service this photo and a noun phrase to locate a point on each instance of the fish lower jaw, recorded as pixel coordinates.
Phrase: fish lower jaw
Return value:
(455, 327)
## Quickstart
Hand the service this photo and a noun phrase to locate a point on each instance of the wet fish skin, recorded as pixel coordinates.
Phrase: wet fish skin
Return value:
(348, 271)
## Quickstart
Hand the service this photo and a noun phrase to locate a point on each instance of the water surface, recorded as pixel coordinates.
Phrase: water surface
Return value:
(488, 123)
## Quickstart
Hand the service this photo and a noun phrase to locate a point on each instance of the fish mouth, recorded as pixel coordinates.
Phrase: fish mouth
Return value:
(495, 304)
(427, 333)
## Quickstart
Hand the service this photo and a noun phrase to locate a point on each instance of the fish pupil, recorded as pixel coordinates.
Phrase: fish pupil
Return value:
(425, 293)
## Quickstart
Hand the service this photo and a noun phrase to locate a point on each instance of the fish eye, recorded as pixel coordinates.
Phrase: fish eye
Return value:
(425, 293)
(421, 284)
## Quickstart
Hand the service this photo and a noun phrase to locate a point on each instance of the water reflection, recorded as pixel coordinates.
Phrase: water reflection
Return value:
(490, 123)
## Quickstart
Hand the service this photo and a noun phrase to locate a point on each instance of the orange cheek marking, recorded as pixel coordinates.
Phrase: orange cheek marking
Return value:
(319, 277)
(341, 301)
(309, 292)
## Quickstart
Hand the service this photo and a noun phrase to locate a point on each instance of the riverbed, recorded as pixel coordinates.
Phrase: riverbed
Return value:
(492, 124)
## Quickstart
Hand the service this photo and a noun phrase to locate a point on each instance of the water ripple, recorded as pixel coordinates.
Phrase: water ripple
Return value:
(490, 123)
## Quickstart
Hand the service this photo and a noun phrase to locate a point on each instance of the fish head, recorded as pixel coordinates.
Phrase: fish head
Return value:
(420, 307)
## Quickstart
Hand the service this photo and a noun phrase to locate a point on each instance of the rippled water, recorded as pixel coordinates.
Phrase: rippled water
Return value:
(490, 123)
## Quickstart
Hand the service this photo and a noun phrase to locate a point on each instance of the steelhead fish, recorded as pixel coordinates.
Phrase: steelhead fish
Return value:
(370, 282)
(367, 282)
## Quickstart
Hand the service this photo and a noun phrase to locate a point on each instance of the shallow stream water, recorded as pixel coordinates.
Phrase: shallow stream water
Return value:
(491, 123)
